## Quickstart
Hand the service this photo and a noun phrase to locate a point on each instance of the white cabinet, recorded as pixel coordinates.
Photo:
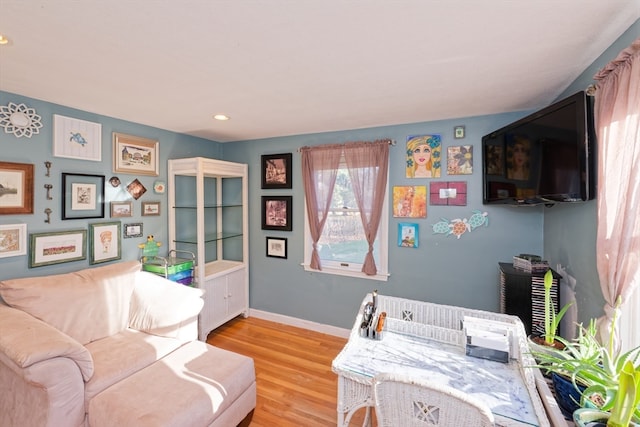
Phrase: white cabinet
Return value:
(208, 215)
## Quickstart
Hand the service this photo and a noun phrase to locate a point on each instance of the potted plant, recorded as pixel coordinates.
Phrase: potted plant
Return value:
(548, 337)
(624, 402)
(594, 370)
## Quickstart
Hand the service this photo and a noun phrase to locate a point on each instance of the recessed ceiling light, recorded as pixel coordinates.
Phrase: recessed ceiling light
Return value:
(221, 117)
(3, 39)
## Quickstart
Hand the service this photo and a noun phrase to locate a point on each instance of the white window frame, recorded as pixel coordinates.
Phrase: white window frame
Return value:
(354, 270)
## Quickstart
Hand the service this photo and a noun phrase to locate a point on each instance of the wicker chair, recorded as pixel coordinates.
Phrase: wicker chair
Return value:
(404, 402)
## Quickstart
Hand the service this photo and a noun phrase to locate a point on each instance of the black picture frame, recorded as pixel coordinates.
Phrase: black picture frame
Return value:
(276, 247)
(82, 196)
(276, 213)
(276, 171)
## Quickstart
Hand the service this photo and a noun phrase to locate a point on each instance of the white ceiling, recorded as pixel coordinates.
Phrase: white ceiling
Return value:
(287, 67)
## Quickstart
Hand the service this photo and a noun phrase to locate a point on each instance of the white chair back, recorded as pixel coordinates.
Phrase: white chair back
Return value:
(406, 402)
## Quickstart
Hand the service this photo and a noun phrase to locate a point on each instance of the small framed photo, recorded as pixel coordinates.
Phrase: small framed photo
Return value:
(121, 209)
(77, 139)
(16, 188)
(132, 230)
(57, 247)
(408, 235)
(82, 196)
(150, 208)
(136, 189)
(135, 155)
(276, 171)
(276, 213)
(277, 247)
(104, 242)
(458, 132)
(13, 240)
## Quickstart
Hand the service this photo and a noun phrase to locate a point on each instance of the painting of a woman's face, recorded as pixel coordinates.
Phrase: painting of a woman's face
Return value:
(519, 154)
(422, 154)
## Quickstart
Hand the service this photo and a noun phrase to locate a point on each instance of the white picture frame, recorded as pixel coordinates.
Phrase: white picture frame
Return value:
(13, 240)
(77, 139)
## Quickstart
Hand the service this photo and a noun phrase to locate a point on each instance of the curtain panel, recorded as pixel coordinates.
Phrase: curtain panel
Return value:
(617, 117)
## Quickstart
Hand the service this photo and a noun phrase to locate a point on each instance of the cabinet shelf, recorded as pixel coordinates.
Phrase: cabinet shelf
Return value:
(207, 206)
(208, 238)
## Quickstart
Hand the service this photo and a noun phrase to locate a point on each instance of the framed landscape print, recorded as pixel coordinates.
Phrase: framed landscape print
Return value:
(104, 242)
(277, 247)
(13, 240)
(57, 247)
(276, 213)
(135, 155)
(276, 171)
(150, 208)
(16, 188)
(121, 209)
(82, 196)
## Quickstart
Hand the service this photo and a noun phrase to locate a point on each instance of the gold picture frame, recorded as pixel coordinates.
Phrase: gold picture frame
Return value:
(135, 155)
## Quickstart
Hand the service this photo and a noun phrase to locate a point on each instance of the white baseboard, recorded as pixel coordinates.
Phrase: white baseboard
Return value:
(300, 323)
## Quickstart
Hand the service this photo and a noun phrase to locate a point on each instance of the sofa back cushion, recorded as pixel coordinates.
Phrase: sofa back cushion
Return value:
(87, 305)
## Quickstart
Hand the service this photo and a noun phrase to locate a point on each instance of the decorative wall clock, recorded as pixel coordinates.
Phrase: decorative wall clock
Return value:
(19, 120)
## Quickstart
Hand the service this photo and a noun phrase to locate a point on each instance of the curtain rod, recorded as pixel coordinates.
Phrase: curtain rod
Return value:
(391, 142)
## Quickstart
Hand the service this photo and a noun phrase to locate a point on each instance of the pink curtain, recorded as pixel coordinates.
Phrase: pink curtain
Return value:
(368, 164)
(617, 116)
(319, 170)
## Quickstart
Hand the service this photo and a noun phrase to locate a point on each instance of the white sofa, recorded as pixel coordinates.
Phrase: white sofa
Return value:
(70, 342)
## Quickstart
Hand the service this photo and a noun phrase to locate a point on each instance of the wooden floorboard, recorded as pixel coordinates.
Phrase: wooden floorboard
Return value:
(295, 384)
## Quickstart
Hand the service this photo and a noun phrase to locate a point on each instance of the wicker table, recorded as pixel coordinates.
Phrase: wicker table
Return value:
(426, 339)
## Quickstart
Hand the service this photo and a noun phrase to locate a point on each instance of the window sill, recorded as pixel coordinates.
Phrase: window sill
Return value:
(383, 277)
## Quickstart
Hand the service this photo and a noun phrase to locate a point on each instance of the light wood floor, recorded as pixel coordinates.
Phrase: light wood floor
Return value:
(295, 384)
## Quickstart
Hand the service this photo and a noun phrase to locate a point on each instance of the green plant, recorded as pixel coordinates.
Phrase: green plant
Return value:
(602, 370)
(551, 319)
(627, 399)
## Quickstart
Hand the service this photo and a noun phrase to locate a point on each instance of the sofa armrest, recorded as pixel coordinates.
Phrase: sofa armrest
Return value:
(26, 340)
(162, 307)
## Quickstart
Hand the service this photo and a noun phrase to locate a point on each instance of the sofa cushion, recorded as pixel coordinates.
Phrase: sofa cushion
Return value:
(118, 356)
(86, 305)
(160, 306)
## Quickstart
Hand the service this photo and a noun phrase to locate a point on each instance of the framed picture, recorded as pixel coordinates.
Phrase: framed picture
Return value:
(136, 189)
(150, 208)
(135, 155)
(410, 201)
(16, 188)
(77, 139)
(82, 196)
(104, 242)
(458, 132)
(408, 235)
(121, 209)
(132, 230)
(276, 171)
(277, 247)
(13, 240)
(276, 213)
(57, 247)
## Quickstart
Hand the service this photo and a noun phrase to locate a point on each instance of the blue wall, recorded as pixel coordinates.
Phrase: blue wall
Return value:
(570, 230)
(39, 148)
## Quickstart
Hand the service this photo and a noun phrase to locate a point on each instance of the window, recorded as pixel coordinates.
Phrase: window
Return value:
(342, 246)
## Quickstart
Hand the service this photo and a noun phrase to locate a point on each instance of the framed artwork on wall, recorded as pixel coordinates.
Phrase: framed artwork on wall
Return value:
(82, 196)
(133, 230)
(121, 209)
(277, 247)
(135, 155)
(13, 240)
(104, 242)
(408, 235)
(57, 247)
(276, 171)
(150, 208)
(77, 139)
(276, 213)
(16, 188)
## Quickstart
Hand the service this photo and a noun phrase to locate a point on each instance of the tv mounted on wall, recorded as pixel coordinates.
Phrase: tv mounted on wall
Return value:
(544, 158)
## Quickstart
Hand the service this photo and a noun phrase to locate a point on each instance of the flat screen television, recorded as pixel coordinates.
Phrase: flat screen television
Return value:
(544, 158)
